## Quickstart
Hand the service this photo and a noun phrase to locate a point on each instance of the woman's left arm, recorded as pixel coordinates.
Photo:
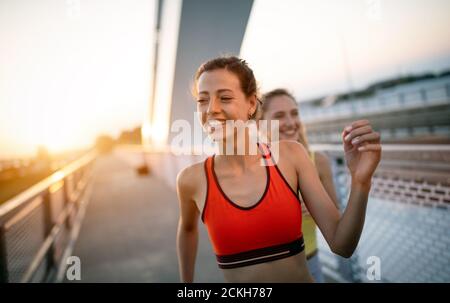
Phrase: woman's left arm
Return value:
(342, 232)
(362, 149)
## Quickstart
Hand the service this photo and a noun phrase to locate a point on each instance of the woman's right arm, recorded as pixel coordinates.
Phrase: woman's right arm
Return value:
(187, 234)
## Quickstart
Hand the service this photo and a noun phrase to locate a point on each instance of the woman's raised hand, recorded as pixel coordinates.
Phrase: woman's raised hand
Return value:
(362, 149)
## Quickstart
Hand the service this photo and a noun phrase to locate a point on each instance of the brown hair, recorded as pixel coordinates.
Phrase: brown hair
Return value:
(269, 96)
(240, 68)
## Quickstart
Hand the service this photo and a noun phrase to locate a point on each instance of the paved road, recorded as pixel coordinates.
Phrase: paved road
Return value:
(129, 230)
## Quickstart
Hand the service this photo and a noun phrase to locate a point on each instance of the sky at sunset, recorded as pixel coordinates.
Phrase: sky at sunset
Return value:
(70, 70)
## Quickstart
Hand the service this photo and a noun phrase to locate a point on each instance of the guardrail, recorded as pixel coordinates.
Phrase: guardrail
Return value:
(413, 96)
(410, 189)
(37, 226)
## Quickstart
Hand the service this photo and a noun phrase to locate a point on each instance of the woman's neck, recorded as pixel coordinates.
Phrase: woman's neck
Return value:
(241, 144)
(240, 163)
(239, 154)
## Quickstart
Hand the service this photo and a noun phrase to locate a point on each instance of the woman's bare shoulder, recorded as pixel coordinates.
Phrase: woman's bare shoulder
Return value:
(291, 150)
(191, 176)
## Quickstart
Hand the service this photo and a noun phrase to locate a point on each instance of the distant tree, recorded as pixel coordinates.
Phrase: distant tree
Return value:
(42, 153)
(104, 144)
(43, 158)
(130, 136)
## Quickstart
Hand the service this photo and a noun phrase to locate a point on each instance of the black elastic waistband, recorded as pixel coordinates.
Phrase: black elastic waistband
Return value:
(261, 255)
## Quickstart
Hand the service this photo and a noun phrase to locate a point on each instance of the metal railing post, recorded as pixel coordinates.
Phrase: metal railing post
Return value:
(67, 201)
(48, 225)
(3, 257)
(20, 207)
(401, 97)
(423, 94)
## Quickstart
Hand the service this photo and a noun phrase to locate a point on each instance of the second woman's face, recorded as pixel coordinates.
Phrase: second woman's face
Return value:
(220, 98)
(284, 109)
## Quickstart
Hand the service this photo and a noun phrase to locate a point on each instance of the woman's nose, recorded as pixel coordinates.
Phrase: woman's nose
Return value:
(289, 121)
(214, 106)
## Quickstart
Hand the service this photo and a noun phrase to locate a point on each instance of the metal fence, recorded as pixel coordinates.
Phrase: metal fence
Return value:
(416, 96)
(417, 111)
(38, 225)
(408, 216)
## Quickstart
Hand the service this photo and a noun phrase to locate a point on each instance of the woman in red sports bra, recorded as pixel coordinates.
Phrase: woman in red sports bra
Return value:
(247, 198)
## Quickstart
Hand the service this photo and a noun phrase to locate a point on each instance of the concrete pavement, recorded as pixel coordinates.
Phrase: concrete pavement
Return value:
(129, 230)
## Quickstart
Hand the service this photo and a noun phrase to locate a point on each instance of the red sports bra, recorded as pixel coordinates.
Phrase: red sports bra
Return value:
(269, 230)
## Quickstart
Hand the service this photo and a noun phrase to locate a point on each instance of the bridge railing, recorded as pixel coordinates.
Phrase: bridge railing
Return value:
(415, 96)
(407, 218)
(37, 227)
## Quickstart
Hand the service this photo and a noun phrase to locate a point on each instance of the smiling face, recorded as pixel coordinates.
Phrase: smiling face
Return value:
(284, 109)
(220, 98)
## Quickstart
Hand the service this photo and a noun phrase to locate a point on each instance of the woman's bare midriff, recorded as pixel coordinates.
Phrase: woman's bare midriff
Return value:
(292, 269)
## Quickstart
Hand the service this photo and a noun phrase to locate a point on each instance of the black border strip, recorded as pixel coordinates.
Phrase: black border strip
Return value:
(279, 172)
(260, 251)
(205, 166)
(229, 200)
(290, 249)
(287, 184)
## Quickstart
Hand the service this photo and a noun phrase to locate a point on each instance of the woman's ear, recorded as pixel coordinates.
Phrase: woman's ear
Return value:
(253, 104)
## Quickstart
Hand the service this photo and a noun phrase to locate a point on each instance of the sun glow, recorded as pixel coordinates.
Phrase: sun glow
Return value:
(68, 76)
